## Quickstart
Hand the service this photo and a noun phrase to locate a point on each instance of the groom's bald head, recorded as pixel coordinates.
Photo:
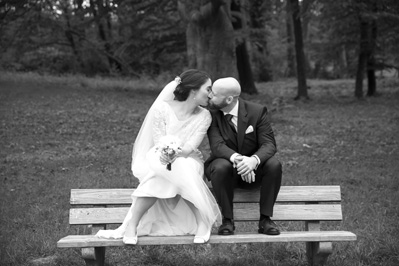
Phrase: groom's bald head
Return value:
(225, 92)
(227, 86)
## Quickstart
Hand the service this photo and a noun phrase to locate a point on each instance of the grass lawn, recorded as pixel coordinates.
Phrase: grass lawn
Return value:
(59, 133)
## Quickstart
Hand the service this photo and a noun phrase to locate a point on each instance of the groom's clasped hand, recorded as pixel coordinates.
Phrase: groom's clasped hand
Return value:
(245, 167)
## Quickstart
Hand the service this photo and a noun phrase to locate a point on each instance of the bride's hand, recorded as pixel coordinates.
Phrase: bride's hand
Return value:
(165, 159)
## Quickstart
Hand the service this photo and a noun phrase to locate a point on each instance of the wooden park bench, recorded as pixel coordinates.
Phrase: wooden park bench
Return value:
(98, 208)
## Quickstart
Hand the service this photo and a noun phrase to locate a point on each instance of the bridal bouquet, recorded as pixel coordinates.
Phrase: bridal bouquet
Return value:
(169, 146)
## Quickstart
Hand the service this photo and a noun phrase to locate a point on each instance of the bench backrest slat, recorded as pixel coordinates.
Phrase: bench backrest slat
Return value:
(249, 212)
(287, 194)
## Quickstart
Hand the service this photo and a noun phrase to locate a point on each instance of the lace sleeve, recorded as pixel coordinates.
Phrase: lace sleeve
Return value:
(159, 123)
(200, 129)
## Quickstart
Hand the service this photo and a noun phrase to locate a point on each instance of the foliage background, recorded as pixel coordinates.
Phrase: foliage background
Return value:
(135, 38)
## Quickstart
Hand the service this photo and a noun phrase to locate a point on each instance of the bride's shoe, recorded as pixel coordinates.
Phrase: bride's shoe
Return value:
(130, 240)
(202, 239)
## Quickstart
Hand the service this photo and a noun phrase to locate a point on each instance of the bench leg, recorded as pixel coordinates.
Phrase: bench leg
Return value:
(94, 256)
(318, 252)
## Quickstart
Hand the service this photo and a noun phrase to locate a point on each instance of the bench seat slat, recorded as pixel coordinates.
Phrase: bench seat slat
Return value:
(287, 194)
(249, 212)
(294, 212)
(80, 241)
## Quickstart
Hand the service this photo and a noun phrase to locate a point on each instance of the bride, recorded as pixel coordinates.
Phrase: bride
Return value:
(172, 198)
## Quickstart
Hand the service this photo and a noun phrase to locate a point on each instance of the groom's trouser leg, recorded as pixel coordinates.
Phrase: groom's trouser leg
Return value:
(270, 173)
(220, 172)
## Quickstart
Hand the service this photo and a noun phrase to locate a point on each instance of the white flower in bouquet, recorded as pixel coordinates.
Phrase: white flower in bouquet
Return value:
(169, 146)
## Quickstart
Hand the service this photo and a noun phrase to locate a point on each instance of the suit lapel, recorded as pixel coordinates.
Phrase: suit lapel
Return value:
(241, 124)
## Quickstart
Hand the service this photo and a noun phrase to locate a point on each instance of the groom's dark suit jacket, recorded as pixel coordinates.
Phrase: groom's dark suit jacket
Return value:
(224, 141)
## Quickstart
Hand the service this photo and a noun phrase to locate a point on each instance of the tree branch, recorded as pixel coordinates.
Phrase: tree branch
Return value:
(109, 55)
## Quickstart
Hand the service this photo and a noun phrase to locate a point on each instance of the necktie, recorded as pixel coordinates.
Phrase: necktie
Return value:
(228, 118)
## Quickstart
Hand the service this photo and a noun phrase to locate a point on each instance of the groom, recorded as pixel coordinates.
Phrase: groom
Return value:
(242, 154)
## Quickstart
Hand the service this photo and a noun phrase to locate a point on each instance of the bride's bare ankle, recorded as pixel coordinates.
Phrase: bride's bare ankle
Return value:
(131, 232)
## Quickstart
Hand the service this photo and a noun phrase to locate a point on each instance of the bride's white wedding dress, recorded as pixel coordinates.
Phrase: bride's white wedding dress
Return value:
(171, 215)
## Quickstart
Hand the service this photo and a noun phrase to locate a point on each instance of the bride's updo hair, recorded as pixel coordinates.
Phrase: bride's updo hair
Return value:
(190, 80)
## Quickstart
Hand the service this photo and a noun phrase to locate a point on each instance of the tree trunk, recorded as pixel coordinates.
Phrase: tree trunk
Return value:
(290, 72)
(372, 38)
(243, 59)
(101, 12)
(244, 69)
(210, 37)
(362, 58)
(258, 15)
(342, 63)
(305, 15)
(71, 40)
(300, 55)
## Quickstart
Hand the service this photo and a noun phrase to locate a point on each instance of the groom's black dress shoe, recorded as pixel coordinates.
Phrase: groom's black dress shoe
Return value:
(268, 227)
(227, 227)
